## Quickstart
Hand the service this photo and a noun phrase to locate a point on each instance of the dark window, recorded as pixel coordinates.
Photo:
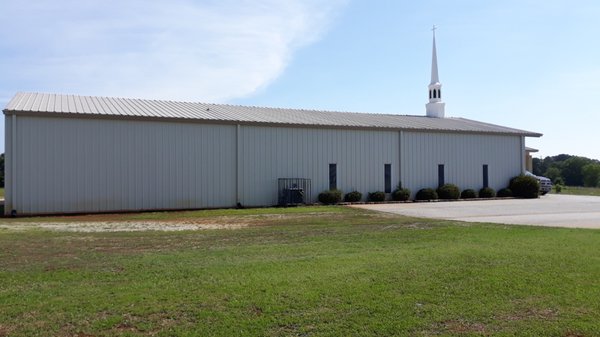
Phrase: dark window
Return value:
(440, 93)
(441, 175)
(332, 176)
(387, 174)
(434, 93)
(429, 94)
(485, 176)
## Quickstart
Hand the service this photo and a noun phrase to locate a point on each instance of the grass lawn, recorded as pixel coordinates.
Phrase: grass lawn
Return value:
(577, 190)
(322, 271)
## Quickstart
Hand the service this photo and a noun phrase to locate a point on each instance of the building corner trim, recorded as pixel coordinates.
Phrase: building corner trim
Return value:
(523, 168)
(13, 165)
(237, 164)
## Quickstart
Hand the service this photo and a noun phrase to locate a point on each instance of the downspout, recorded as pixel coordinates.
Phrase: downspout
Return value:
(237, 166)
(400, 161)
(522, 154)
(13, 165)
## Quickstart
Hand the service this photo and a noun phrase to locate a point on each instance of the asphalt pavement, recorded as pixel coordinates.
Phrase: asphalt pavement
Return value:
(554, 210)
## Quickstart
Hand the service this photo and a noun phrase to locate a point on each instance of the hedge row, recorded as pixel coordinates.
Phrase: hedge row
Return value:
(445, 192)
(452, 192)
(334, 196)
(521, 186)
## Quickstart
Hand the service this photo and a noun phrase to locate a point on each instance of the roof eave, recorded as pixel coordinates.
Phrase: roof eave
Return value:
(32, 113)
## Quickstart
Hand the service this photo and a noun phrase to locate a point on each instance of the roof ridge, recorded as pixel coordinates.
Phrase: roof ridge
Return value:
(121, 107)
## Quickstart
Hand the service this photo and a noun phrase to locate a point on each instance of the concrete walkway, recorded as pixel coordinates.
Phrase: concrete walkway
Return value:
(553, 210)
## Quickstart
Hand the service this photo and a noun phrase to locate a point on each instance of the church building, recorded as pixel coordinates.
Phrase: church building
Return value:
(85, 154)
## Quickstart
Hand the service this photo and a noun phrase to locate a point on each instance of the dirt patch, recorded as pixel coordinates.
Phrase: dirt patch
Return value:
(546, 314)
(122, 226)
(572, 334)
(464, 327)
(458, 327)
(5, 331)
(255, 310)
(93, 224)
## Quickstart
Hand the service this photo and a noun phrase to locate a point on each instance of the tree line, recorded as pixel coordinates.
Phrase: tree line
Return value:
(569, 170)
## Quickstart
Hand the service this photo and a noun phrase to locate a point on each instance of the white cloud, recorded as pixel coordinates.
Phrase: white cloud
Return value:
(180, 49)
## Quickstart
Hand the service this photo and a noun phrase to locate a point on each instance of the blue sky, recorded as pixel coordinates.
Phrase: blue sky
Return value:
(532, 65)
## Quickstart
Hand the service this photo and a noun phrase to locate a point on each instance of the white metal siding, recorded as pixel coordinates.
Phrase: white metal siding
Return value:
(94, 165)
(268, 153)
(463, 156)
(83, 165)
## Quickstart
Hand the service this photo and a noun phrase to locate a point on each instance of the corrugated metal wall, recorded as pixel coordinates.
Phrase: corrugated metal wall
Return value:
(94, 165)
(463, 157)
(84, 165)
(269, 153)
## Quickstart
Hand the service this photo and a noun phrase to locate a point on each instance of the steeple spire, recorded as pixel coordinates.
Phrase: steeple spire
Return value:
(435, 107)
(434, 68)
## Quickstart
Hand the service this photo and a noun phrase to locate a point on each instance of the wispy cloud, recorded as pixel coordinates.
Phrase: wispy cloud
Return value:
(179, 49)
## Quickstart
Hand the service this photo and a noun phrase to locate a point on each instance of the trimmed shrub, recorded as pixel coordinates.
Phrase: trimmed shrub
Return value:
(401, 194)
(377, 196)
(468, 194)
(448, 192)
(487, 192)
(558, 188)
(525, 186)
(353, 196)
(504, 193)
(426, 194)
(330, 197)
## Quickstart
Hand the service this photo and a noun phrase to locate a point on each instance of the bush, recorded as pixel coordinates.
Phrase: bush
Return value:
(353, 196)
(525, 186)
(400, 194)
(505, 193)
(558, 188)
(330, 196)
(468, 194)
(377, 196)
(426, 194)
(448, 191)
(487, 192)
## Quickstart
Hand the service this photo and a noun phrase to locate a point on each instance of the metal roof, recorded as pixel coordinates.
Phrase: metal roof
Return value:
(125, 108)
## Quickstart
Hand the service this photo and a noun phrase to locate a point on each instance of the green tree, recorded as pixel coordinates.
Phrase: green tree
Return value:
(538, 167)
(553, 173)
(591, 175)
(562, 157)
(571, 170)
(559, 181)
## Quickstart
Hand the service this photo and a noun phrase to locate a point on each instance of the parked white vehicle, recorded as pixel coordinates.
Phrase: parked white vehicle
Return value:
(545, 183)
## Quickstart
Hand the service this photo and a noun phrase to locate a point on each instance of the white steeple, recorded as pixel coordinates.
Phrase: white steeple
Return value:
(435, 107)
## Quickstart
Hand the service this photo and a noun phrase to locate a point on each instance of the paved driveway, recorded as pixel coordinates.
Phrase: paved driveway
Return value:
(550, 210)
